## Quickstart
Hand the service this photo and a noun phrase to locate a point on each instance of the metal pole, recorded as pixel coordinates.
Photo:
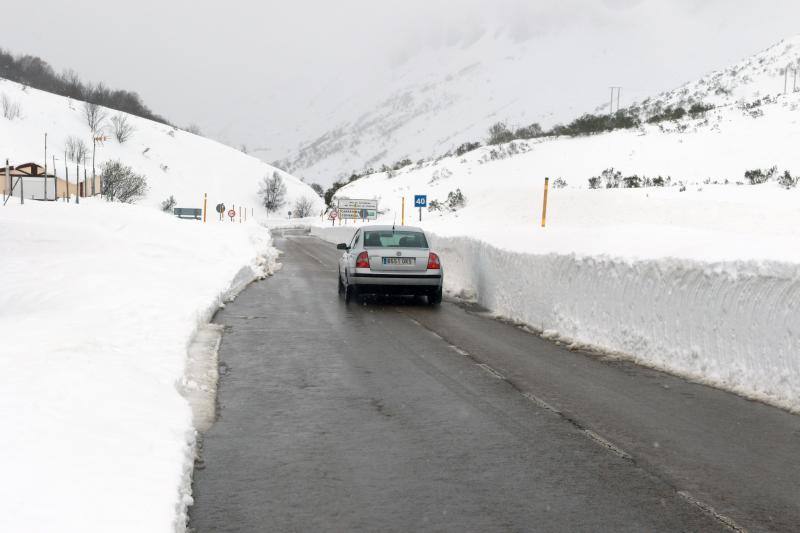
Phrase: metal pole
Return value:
(611, 104)
(94, 178)
(77, 183)
(55, 181)
(619, 90)
(45, 166)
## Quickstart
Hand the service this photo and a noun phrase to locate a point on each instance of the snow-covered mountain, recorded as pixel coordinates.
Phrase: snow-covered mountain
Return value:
(175, 162)
(440, 98)
(448, 95)
(765, 75)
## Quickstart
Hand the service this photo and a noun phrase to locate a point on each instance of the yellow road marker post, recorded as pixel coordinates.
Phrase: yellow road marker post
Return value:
(544, 202)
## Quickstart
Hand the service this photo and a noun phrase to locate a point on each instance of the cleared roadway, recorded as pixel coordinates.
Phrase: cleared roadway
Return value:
(393, 416)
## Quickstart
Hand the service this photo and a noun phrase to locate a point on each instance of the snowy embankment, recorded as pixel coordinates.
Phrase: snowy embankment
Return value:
(98, 307)
(731, 324)
(697, 278)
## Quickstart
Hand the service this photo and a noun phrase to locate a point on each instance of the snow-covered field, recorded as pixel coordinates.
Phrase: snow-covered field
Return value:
(697, 278)
(98, 306)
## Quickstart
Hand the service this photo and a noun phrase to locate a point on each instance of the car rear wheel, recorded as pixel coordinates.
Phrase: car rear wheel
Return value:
(350, 293)
(436, 297)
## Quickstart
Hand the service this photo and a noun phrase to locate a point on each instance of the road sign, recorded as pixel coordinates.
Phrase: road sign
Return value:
(349, 203)
(420, 200)
(220, 208)
(232, 213)
(357, 214)
(332, 215)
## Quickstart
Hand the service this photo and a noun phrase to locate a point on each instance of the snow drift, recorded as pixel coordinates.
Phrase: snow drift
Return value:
(97, 309)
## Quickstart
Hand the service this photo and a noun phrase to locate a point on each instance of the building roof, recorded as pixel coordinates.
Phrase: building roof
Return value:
(25, 170)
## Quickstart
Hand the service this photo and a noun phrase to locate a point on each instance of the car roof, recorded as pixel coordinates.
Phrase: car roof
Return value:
(387, 227)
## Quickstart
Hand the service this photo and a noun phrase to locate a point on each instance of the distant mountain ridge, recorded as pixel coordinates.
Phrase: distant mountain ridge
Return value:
(453, 95)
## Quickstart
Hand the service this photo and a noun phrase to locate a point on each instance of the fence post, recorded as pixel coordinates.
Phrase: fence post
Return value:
(544, 202)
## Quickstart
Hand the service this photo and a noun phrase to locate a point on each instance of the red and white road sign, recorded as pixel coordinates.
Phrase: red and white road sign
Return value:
(232, 213)
(332, 215)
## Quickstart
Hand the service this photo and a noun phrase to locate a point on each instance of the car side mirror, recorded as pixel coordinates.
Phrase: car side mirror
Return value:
(342, 246)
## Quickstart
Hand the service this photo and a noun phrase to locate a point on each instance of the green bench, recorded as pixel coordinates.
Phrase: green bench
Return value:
(188, 212)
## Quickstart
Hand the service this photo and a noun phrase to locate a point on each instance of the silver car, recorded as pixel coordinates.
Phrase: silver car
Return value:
(390, 260)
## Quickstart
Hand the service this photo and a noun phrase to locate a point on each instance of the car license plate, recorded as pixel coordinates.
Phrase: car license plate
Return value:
(399, 260)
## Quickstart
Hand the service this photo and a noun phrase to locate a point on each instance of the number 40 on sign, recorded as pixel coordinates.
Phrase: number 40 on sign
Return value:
(420, 200)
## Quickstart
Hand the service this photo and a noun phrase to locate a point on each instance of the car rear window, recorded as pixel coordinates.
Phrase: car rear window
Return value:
(395, 239)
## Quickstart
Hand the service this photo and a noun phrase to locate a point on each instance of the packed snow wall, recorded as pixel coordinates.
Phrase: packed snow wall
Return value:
(734, 325)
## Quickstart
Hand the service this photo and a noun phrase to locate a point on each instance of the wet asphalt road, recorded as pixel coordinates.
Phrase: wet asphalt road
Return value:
(393, 416)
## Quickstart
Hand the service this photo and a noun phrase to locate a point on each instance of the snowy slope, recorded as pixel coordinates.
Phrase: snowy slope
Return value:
(766, 74)
(443, 97)
(175, 162)
(100, 304)
(452, 94)
(701, 281)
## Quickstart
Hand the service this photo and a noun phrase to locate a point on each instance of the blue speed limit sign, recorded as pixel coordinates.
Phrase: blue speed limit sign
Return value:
(420, 200)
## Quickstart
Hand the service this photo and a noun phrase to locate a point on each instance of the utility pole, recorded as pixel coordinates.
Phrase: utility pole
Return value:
(55, 180)
(77, 182)
(66, 176)
(611, 104)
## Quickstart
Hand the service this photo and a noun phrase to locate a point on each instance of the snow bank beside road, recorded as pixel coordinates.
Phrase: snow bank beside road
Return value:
(98, 305)
(732, 324)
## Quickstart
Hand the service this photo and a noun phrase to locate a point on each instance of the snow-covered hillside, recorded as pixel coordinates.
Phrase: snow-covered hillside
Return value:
(444, 97)
(767, 74)
(99, 307)
(699, 277)
(175, 162)
(450, 95)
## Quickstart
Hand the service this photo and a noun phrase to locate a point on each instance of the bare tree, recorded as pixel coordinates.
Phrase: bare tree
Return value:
(302, 207)
(11, 110)
(76, 149)
(121, 183)
(94, 115)
(123, 129)
(194, 128)
(272, 192)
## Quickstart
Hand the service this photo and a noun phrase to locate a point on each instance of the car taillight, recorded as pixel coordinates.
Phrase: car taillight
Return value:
(433, 262)
(363, 260)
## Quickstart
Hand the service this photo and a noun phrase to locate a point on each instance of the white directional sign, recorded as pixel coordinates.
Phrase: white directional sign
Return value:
(357, 209)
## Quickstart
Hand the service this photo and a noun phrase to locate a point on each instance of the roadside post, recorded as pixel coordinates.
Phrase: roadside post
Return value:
(205, 206)
(403, 212)
(544, 202)
(232, 214)
(420, 200)
(221, 210)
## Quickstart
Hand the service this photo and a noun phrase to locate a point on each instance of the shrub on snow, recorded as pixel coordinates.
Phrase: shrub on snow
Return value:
(302, 208)
(168, 204)
(120, 183)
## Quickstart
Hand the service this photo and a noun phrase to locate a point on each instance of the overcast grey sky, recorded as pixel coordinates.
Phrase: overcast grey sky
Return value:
(214, 62)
